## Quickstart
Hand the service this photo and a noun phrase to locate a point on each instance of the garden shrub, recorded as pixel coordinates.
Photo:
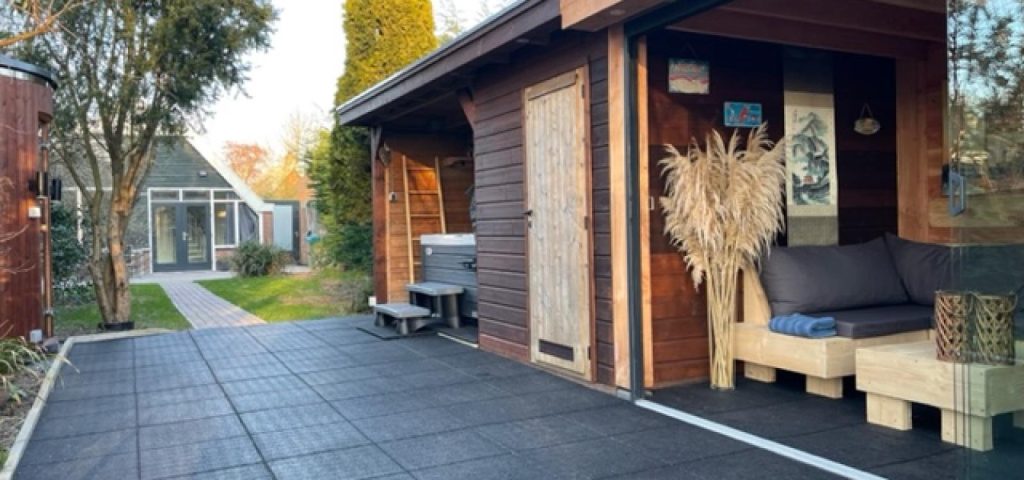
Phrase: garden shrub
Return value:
(16, 357)
(350, 246)
(252, 259)
(72, 284)
(355, 291)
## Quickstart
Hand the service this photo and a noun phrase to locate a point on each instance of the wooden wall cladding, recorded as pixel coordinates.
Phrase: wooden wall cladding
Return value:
(24, 105)
(391, 245)
(752, 72)
(866, 163)
(740, 71)
(501, 232)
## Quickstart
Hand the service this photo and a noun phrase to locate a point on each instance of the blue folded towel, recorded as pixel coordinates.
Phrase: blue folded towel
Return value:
(803, 326)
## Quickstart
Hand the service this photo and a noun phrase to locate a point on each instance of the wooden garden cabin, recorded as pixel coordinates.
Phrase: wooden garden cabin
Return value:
(555, 113)
(26, 110)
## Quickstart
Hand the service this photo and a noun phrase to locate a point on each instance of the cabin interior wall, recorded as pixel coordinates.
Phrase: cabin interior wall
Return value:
(416, 151)
(744, 71)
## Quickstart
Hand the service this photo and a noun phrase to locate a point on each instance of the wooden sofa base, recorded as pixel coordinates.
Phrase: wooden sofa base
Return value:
(824, 361)
(823, 387)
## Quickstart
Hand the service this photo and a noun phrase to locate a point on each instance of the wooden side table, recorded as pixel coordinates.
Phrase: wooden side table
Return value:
(969, 395)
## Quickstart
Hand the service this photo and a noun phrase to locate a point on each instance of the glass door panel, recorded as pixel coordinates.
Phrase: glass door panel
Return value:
(164, 234)
(984, 189)
(197, 238)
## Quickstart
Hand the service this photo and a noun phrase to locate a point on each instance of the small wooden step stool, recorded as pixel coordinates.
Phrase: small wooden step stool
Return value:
(444, 300)
(404, 317)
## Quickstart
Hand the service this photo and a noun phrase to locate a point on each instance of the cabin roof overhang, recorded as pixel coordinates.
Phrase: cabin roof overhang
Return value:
(426, 94)
(451, 67)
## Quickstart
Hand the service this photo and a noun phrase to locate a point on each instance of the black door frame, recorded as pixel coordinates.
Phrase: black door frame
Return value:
(181, 263)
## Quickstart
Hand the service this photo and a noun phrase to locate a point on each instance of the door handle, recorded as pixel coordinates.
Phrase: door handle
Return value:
(184, 236)
(528, 213)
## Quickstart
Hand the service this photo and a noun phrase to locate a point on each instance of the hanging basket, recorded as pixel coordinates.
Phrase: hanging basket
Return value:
(866, 124)
(951, 315)
(992, 340)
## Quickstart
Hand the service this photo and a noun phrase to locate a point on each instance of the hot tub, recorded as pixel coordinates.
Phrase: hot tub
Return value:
(451, 258)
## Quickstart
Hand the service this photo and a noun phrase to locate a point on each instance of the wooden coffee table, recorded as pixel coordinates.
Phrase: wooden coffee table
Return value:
(969, 395)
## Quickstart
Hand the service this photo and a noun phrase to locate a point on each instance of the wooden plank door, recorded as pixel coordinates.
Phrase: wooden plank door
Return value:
(558, 215)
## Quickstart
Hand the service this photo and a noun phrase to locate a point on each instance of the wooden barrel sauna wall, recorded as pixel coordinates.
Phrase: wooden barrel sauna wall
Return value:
(26, 109)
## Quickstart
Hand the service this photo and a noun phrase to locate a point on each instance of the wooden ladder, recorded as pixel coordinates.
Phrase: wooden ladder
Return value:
(424, 207)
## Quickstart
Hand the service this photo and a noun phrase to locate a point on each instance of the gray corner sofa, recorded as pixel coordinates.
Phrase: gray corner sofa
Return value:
(879, 292)
(876, 288)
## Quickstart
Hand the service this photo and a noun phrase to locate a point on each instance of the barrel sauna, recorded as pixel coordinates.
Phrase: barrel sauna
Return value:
(26, 109)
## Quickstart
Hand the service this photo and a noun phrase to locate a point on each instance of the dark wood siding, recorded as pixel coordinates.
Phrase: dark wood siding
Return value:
(753, 72)
(500, 229)
(24, 105)
(678, 310)
(866, 165)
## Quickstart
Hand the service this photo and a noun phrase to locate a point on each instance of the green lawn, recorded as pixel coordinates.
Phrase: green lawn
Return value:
(150, 309)
(279, 298)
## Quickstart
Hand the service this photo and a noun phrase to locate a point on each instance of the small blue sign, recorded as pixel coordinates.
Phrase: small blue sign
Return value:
(742, 114)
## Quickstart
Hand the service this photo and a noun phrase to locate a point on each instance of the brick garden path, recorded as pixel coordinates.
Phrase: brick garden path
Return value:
(204, 309)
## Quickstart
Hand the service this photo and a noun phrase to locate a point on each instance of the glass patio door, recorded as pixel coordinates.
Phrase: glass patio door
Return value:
(984, 202)
(181, 237)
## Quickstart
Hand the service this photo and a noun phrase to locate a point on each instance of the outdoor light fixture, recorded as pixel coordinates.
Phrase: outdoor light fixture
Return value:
(203, 174)
(40, 184)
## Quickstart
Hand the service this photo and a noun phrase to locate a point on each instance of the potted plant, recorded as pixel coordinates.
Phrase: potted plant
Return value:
(723, 208)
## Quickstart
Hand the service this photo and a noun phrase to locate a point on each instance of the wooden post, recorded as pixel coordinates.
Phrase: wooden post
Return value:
(825, 387)
(967, 430)
(759, 373)
(889, 412)
(618, 204)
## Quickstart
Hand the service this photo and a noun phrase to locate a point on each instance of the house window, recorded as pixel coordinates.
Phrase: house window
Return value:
(163, 195)
(225, 196)
(196, 196)
(224, 224)
(248, 225)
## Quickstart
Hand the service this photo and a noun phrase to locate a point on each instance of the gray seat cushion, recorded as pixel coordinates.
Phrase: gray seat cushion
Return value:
(924, 268)
(879, 321)
(816, 279)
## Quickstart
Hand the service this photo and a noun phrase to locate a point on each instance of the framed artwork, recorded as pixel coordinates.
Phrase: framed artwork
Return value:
(811, 153)
(742, 114)
(689, 76)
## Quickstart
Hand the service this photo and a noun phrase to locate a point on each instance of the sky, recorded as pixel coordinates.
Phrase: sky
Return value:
(297, 74)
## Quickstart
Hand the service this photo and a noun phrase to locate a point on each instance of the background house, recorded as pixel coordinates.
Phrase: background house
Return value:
(191, 213)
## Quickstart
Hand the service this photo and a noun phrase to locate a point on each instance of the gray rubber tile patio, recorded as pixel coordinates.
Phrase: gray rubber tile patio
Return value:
(320, 399)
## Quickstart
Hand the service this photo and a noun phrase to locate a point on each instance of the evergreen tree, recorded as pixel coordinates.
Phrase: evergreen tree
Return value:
(383, 36)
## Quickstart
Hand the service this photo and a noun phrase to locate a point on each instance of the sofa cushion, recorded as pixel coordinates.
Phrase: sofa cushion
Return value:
(816, 279)
(924, 268)
(879, 321)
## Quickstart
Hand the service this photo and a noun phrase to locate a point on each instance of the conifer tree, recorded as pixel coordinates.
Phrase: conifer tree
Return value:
(382, 37)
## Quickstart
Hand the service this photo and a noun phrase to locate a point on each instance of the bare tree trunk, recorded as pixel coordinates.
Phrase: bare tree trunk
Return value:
(107, 264)
(120, 211)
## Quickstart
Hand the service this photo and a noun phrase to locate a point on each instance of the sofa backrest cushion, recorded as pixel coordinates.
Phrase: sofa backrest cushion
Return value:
(924, 268)
(816, 279)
